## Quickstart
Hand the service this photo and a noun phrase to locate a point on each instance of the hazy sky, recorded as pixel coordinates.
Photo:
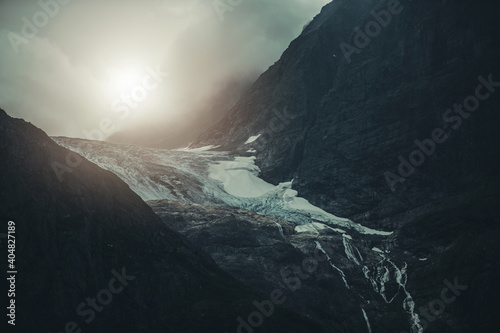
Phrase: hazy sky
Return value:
(76, 65)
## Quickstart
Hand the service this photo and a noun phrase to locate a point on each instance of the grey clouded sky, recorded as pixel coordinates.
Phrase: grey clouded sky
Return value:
(69, 66)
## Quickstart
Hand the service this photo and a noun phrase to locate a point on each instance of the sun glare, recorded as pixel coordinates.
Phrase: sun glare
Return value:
(123, 80)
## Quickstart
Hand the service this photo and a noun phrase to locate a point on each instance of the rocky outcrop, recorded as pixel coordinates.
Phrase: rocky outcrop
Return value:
(267, 254)
(436, 273)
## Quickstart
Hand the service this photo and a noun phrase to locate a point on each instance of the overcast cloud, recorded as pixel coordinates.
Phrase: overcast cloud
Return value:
(86, 54)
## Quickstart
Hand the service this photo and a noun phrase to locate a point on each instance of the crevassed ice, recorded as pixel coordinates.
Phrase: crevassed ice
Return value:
(239, 178)
(205, 177)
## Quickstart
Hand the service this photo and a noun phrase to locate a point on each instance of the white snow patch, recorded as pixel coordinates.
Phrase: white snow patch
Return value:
(376, 249)
(251, 150)
(368, 231)
(239, 177)
(252, 139)
(309, 227)
(314, 227)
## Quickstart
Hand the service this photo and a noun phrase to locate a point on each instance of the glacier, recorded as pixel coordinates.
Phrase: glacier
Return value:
(217, 178)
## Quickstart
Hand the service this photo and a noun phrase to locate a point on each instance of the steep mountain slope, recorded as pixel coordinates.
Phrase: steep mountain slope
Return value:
(83, 235)
(322, 271)
(340, 113)
(437, 273)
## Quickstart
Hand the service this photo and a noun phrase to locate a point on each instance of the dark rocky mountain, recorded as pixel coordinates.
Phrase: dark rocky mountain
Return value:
(342, 109)
(395, 128)
(82, 234)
